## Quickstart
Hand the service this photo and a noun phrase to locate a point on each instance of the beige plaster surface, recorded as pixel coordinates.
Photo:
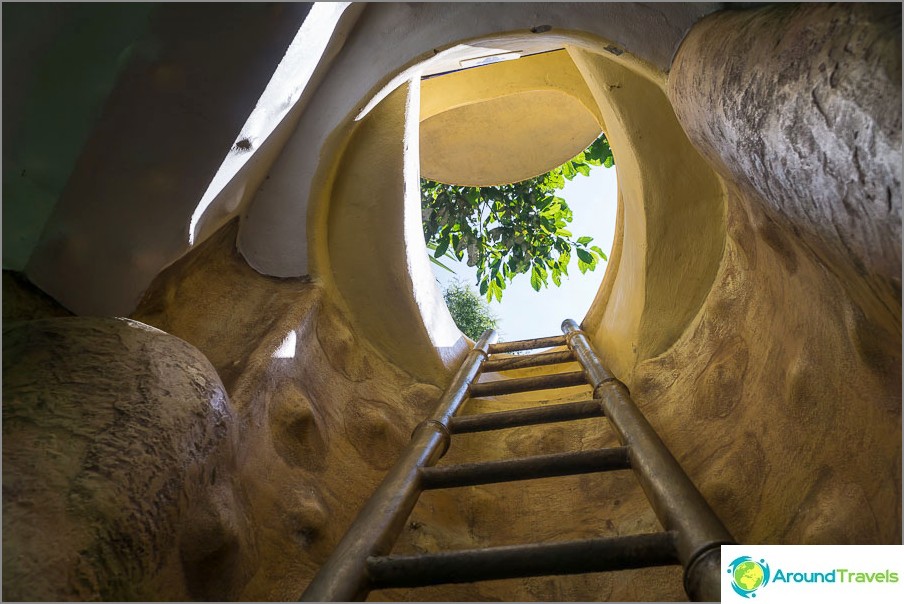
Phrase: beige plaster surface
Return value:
(410, 34)
(320, 423)
(507, 139)
(548, 70)
(657, 282)
(373, 250)
(505, 122)
(672, 221)
(769, 367)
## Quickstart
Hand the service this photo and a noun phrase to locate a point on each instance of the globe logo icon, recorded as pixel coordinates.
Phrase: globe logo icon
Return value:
(748, 575)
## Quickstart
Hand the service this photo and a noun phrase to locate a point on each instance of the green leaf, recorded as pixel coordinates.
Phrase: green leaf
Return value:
(511, 229)
(441, 248)
(568, 170)
(535, 281)
(599, 251)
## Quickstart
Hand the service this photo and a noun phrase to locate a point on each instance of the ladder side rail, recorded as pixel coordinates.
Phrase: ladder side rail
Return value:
(678, 504)
(343, 577)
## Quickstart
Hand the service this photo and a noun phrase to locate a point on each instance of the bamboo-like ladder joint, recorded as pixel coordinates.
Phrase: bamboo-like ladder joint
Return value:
(499, 420)
(678, 504)
(526, 361)
(531, 560)
(525, 468)
(343, 577)
(527, 384)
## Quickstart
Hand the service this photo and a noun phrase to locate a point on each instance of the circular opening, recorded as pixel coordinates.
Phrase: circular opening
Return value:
(513, 122)
(662, 261)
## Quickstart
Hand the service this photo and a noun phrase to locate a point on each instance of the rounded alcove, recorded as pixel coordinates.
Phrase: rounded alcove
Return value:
(670, 229)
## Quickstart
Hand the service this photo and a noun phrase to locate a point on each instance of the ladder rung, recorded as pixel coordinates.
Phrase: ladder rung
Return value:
(531, 560)
(539, 382)
(516, 345)
(482, 422)
(531, 360)
(526, 468)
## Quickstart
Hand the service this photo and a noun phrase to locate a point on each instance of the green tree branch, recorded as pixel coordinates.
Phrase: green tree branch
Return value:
(513, 229)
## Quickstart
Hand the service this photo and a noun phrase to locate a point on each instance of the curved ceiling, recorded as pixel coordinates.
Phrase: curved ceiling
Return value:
(505, 139)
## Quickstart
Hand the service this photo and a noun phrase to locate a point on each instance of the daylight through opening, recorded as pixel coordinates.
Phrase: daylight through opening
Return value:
(518, 194)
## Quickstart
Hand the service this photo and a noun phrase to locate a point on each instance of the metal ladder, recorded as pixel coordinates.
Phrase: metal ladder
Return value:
(692, 535)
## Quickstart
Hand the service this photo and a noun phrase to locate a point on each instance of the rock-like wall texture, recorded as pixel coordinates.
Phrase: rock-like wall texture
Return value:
(783, 397)
(321, 415)
(226, 464)
(782, 400)
(800, 105)
(321, 423)
(118, 463)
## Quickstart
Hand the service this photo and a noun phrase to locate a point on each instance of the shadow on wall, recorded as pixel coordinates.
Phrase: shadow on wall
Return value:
(663, 261)
(744, 333)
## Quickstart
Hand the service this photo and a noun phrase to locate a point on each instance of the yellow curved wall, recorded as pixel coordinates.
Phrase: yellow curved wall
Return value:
(505, 139)
(673, 229)
(671, 226)
(506, 122)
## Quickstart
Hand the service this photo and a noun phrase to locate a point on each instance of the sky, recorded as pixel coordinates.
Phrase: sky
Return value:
(524, 313)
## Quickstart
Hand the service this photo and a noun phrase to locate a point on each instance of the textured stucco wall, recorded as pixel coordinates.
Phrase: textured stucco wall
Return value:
(791, 372)
(782, 400)
(320, 423)
(768, 358)
(119, 475)
(804, 113)
(319, 430)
